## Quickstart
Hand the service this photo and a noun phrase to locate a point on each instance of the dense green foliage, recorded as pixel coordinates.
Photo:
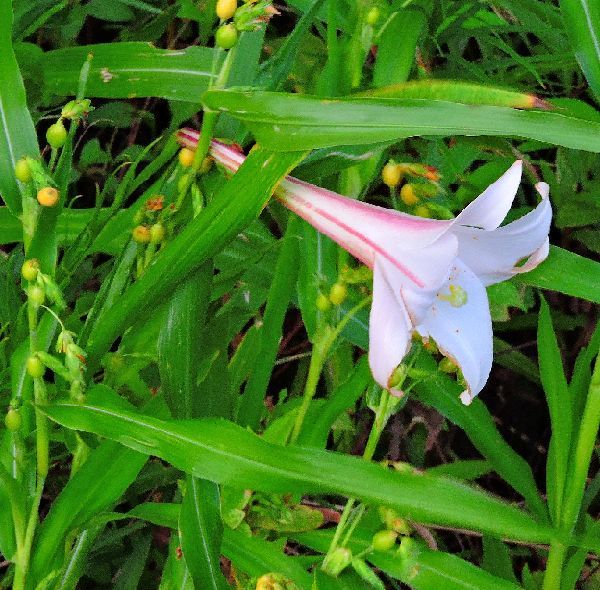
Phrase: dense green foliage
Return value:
(182, 363)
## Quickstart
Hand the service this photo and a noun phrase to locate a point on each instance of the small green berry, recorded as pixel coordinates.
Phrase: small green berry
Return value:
(56, 134)
(338, 293)
(373, 16)
(226, 36)
(13, 419)
(141, 234)
(30, 269)
(36, 295)
(384, 540)
(23, 171)
(35, 368)
(447, 366)
(157, 233)
(322, 302)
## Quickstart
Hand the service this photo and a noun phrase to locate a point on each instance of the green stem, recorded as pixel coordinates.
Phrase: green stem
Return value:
(333, 48)
(379, 423)
(22, 564)
(554, 566)
(324, 341)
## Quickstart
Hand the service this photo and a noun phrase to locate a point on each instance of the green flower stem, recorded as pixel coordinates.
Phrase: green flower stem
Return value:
(374, 435)
(333, 48)
(325, 338)
(209, 121)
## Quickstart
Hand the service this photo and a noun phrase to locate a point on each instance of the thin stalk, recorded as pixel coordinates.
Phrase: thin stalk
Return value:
(379, 423)
(333, 48)
(554, 567)
(323, 344)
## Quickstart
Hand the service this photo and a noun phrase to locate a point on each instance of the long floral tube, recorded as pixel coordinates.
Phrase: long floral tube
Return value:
(429, 275)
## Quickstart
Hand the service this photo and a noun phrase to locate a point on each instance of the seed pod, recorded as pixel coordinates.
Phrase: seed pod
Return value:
(408, 195)
(157, 233)
(384, 540)
(322, 302)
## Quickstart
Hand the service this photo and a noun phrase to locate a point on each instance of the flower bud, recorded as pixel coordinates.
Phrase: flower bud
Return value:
(393, 521)
(338, 293)
(141, 234)
(422, 211)
(186, 157)
(56, 134)
(34, 367)
(373, 16)
(447, 366)
(13, 420)
(397, 377)
(226, 36)
(30, 269)
(225, 9)
(273, 581)
(23, 171)
(408, 194)
(337, 561)
(48, 196)
(75, 109)
(391, 174)
(322, 302)
(384, 540)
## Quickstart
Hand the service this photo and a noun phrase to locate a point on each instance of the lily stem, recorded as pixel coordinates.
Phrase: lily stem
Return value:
(324, 340)
(379, 423)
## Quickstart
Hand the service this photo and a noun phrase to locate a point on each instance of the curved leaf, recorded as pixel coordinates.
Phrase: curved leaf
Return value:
(223, 452)
(291, 122)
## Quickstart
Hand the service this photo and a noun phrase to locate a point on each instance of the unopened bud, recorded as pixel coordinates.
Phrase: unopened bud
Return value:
(322, 302)
(408, 194)
(23, 170)
(12, 419)
(384, 540)
(338, 293)
(337, 561)
(48, 196)
(225, 9)
(141, 234)
(422, 211)
(186, 157)
(373, 16)
(391, 174)
(447, 366)
(30, 269)
(56, 134)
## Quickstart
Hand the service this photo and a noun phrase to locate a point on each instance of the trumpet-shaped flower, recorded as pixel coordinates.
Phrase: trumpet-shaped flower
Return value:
(429, 276)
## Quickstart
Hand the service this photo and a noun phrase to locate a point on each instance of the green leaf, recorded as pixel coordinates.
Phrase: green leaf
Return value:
(582, 23)
(290, 122)
(17, 133)
(130, 70)
(568, 273)
(228, 454)
(235, 206)
(98, 484)
(200, 530)
(397, 46)
(257, 557)
(280, 293)
(559, 405)
(442, 394)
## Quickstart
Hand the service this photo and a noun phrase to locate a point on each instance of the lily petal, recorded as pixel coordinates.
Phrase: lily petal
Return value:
(430, 264)
(389, 330)
(463, 334)
(493, 255)
(489, 209)
(369, 232)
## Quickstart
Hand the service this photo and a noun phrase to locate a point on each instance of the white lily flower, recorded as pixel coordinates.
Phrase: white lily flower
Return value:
(429, 275)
